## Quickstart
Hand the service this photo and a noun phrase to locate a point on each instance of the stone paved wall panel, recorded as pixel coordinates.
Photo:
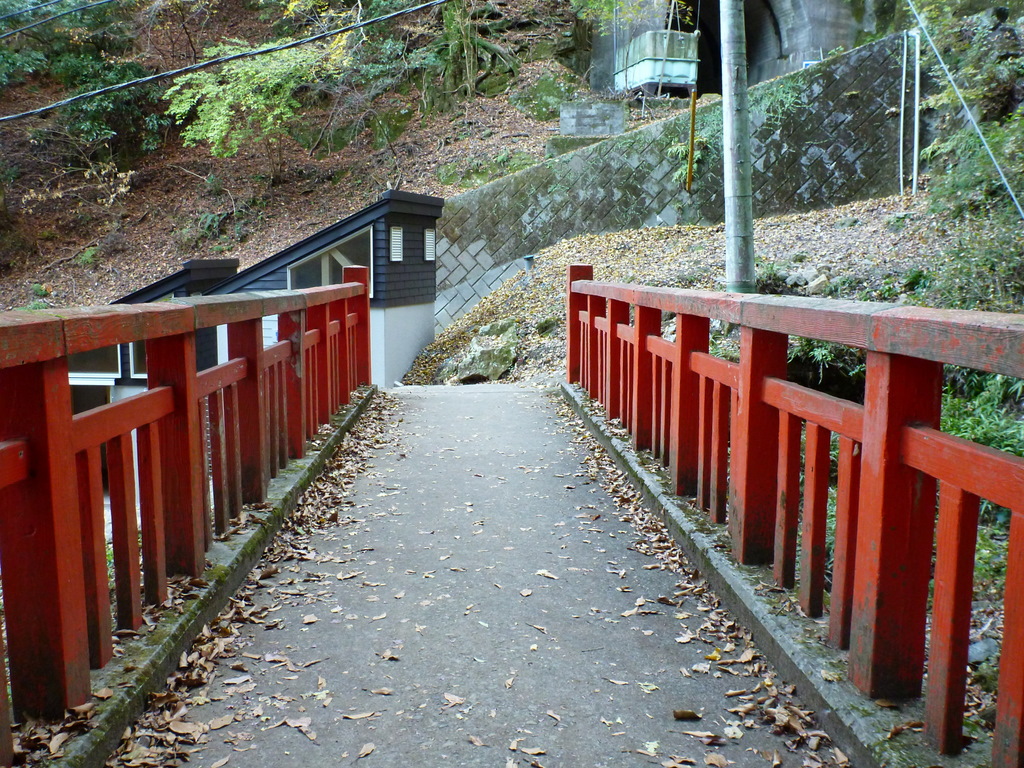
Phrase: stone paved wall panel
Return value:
(836, 142)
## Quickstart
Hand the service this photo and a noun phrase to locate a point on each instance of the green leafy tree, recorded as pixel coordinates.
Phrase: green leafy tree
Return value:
(247, 102)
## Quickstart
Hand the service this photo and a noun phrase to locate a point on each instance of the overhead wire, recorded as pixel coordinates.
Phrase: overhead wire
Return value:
(30, 8)
(214, 62)
(34, 24)
(967, 109)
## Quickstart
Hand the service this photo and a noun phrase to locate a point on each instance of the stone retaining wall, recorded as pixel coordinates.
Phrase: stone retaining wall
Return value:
(821, 137)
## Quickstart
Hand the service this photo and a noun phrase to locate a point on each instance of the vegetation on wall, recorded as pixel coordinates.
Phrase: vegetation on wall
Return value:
(983, 267)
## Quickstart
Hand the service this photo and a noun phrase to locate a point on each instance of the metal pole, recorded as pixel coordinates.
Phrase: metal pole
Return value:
(917, 109)
(903, 115)
(739, 206)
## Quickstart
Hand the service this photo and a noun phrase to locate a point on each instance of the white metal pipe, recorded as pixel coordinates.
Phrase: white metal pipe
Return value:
(903, 112)
(917, 108)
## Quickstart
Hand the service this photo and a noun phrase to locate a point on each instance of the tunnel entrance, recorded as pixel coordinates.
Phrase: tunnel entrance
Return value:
(764, 41)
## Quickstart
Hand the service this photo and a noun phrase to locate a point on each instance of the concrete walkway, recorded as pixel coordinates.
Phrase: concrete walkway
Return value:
(488, 609)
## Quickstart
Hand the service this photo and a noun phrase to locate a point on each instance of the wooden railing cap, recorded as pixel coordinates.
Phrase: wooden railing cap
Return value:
(29, 337)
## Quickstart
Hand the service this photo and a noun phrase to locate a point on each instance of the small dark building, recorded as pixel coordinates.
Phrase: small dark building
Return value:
(395, 238)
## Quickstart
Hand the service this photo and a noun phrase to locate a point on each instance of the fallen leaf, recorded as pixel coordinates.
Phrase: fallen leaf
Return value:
(526, 592)
(310, 619)
(508, 683)
(346, 576)
(359, 716)
(366, 750)
(616, 682)
(547, 574)
(685, 714)
(453, 700)
(552, 715)
(733, 732)
(382, 691)
(831, 675)
(238, 680)
(184, 728)
(717, 760)
(103, 694)
(532, 751)
(476, 742)
(57, 741)
(222, 762)
(221, 722)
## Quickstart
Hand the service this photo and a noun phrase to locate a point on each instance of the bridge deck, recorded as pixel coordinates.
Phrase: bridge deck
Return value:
(491, 586)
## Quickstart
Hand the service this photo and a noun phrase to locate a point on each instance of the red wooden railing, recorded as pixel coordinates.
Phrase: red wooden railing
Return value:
(731, 434)
(206, 441)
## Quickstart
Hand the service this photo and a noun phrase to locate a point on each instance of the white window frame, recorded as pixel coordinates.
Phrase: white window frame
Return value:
(397, 238)
(325, 269)
(429, 244)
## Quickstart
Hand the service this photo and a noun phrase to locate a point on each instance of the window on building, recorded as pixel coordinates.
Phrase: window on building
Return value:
(326, 267)
(429, 245)
(97, 366)
(397, 244)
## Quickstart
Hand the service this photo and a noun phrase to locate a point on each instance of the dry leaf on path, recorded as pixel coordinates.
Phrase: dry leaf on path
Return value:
(547, 574)
(717, 760)
(382, 691)
(359, 716)
(526, 592)
(310, 619)
(476, 742)
(221, 722)
(221, 763)
(453, 700)
(367, 749)
(532, 751)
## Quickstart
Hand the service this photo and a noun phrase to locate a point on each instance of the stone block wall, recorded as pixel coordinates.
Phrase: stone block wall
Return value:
(821, 137)
(593, 118)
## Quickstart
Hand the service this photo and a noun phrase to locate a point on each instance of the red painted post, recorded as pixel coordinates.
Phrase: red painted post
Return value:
(787, 510)
(646, 322)
(271, 403)
(894, 534)
(291, 327)
(171, 361)
(817, 465)
(125, 532)
(40, 548)
(1008, 740)
(704, 442)
(692, 335)
(596, 307)
(232, 434)
(319, 320)
(720, 406)
(94, 556)
(951, 619)
(218, 462)
(755, 447)
(844, 555)
(362, 311)
(245, 339)
(574, 304)
(345, 352)
(618, 314)
(151, 506)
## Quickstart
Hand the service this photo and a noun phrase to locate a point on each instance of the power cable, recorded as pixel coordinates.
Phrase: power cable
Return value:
(967, 109)
(13, 32)
(214, 62)
(31, 8)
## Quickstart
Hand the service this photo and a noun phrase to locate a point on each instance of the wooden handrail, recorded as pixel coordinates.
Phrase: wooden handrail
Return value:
(744, 427)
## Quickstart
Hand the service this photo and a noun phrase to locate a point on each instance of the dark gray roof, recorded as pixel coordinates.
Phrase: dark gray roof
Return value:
(195, 276)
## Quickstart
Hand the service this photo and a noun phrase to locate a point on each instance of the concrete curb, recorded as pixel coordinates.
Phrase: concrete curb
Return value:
(794, 644)
(147, 662)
